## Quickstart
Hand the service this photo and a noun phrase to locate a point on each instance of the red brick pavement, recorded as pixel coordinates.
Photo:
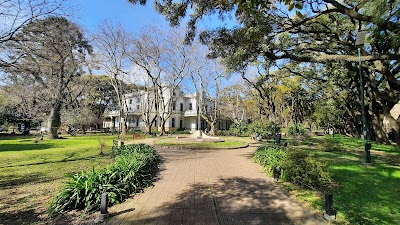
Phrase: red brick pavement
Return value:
(213, 187)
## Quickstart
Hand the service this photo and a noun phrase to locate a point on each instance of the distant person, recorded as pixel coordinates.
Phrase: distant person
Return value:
(256, 136)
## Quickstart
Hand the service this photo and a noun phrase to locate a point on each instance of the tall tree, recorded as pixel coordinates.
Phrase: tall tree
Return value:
(15, 14)
(320, 32)
(233, 98)
(49, 55)
(114, 45)
(207, 79)
(166, 61)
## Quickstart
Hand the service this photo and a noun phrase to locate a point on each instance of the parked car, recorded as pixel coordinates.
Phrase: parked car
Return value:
(2, 129)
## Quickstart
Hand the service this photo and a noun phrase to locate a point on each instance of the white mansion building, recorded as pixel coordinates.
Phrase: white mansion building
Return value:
(184, 114)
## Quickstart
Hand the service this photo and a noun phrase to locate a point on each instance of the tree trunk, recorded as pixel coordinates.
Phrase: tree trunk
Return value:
(394, 124)
(213, 130)
(148, 128)
(162, 127)
(54, 121)
(123, 128)
(377, 123)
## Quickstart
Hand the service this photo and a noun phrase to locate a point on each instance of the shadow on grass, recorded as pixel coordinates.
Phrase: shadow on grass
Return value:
(235, 200)
(24, 146)
(12, 181)
(20, 217)
(67, 159)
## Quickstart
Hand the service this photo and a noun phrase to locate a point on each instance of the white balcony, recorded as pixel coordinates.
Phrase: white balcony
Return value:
(190, 113)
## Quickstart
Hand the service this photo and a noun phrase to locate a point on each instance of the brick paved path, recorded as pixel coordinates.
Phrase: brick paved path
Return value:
(212, 187)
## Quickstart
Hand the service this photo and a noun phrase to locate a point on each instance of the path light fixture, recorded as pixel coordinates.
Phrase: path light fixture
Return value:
(360, 38)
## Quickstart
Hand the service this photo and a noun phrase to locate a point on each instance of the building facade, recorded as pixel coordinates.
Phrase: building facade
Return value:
(184, 112)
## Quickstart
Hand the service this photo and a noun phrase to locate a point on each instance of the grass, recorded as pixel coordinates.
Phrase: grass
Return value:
(363, 194)
(170, 142)
(30, 173)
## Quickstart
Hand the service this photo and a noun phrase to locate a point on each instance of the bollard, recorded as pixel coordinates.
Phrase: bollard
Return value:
(103, 208)
(120, 143)
(329, 211)
(275, 173)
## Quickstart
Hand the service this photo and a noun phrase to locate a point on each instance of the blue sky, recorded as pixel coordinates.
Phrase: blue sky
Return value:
(90, 13)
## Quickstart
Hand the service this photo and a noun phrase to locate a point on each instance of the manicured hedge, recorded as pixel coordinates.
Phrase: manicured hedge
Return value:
(295, 166)
(132, 171)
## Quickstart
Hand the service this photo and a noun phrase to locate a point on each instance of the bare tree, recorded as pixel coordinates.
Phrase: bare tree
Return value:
(148, 106)
(113, 47)
(165, 59)
(48, 55)
(14, 14)
(207, 81)
(233, 104)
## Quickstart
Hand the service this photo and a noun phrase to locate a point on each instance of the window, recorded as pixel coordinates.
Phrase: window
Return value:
(173, 105)
(138, 107)
(130, 101)
(137, 122)
(180, 124)
(190, 106)
(173, 122)
(181, 107)
(206, 108)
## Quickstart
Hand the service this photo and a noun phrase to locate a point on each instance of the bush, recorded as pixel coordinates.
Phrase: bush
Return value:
(301, 168)
(329, 144)
(266, 128)
(132, 171)
(223, 133)
(133, 149)
(297, 130)
(295, 166)
(238, 129)
(298, 133)
(268, 157)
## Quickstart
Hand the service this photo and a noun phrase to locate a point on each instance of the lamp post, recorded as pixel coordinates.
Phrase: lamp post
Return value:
(367, 146)
(199, 105)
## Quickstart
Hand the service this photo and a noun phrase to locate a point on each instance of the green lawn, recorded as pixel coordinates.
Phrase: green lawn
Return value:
(363, 194)
(31, 173)
(171, 142)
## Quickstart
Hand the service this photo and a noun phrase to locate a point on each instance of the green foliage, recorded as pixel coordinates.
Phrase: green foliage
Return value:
(265, 128)
(298, 167)
(269, 157)
(102, 146)
(297, 129)
(330, 144)
(298, 133)
(239, 130)
(133, 149)
(131, 172)
(302, 168)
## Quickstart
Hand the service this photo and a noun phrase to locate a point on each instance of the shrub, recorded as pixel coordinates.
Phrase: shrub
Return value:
(132, 171)
(268, 157)
(298, 133)
(238, 129)
(297, 130)
(329, 144)
(295, 166)
(133, 149)
(224, 133)
(265, 128)
(301, 168)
